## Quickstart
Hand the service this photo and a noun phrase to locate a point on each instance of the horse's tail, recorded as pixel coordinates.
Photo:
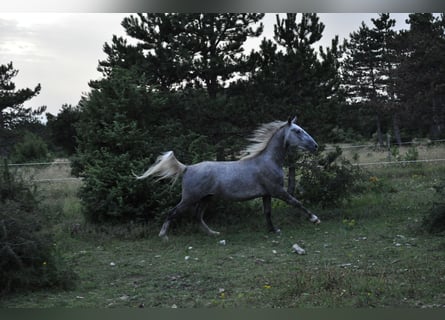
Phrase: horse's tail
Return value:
(166, 166)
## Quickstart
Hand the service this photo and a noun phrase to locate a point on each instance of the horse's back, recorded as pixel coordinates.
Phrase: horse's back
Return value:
(235, 180)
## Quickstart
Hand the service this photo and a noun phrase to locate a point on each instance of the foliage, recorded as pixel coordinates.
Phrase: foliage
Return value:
(368, 70)
(395, 79)
(120, 132)
(62, 129)
(12, 111)
(28, 257)
(420, 76)
(200, 48)
(32, 148)
(327, 179)
(300, 79)
(434, 221)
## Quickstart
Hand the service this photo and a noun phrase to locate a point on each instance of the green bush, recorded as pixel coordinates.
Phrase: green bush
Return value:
(327, 179)
(122, 129)
(31, 148)
(28, 257)
(434, 222)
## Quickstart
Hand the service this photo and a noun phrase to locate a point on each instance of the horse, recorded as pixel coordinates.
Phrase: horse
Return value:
(258, 173)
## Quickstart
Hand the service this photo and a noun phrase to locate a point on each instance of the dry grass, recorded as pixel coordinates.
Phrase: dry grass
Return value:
(370, 154)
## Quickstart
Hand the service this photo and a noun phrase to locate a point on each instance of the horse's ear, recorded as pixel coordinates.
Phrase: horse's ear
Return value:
(291, 120)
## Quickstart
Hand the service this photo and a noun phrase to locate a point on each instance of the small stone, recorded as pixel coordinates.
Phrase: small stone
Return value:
(298, 249)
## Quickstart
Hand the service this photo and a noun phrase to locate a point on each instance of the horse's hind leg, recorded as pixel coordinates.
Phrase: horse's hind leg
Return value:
(267, 208)
(176, 211)
(200, 210)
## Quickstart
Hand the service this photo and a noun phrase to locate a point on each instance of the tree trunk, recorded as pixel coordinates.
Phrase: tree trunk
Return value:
(435, 129)
(396, 127)
(379, 131)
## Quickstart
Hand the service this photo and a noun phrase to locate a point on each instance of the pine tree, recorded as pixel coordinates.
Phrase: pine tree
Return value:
(421, 75)
(216, 41)
(12, 111)
(383, 32)
(62, 131)
(309, 83)
(369, 70)
(119, 133)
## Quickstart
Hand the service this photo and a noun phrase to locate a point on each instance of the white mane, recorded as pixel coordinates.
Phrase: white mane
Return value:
(261, 138)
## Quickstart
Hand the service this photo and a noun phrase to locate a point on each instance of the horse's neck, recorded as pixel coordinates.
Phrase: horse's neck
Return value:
(276, 149)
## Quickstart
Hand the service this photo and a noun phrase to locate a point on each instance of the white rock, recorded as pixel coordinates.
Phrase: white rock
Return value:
(187, 257)
(112, 264)
(222, 242)
(298, 249)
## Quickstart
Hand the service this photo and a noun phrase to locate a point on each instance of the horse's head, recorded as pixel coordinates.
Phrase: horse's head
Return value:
(295, 136)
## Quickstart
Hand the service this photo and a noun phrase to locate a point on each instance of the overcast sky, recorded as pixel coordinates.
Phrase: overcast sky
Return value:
(61, 50)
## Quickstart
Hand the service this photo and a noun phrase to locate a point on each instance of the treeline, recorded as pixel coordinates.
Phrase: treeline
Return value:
(185, 83)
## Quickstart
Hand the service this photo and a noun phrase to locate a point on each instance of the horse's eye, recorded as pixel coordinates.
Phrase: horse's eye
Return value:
(297, 131)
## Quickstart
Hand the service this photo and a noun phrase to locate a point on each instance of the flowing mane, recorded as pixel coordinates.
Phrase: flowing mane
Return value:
(261, 138)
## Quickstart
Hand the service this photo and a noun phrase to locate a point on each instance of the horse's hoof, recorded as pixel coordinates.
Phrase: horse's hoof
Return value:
(275, 230)
(315, 220)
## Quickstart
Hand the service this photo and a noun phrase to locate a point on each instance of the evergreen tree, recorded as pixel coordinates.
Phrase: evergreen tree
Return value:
(216, 41)
(12, 111)
(311, 83)
(176, 52)
(383, 31)
(62, 131)
(297, 79)
(421, 75)
(119, 132)
(369, 71)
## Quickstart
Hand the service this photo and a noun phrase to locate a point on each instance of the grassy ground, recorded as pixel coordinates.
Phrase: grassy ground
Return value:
(369, 253)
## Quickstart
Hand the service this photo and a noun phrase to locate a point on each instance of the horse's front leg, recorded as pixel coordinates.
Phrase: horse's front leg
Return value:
(267, 208)
(285, 196)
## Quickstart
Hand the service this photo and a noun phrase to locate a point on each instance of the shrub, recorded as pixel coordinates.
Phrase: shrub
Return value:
(434, 222)
(31, 148)
(122, 129)
(327, 179)
(411, 154)
(28, 257)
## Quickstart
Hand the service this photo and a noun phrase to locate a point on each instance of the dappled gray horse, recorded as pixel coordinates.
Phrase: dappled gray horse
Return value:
(258, 173)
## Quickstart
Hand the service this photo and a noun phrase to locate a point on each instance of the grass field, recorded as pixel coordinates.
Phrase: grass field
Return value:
(370, 252)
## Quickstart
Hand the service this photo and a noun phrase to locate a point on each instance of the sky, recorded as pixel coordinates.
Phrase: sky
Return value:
(61, 50)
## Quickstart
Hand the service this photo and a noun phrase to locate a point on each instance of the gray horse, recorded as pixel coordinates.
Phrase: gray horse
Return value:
(258, 173)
